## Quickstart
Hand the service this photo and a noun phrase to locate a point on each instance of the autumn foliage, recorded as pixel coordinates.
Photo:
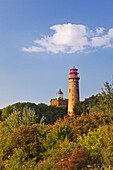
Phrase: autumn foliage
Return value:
(27, 138)
(83, 141)
(78, 159)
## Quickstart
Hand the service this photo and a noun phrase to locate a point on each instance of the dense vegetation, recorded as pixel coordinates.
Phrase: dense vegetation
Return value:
(45, 137)
(40, 111)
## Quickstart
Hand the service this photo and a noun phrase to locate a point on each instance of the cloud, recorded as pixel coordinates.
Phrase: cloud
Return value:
(105, 40)
(99, 31)
(71, 38)
(33, 49)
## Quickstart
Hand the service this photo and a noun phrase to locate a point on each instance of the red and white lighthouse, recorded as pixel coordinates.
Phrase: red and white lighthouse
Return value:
(73, 89)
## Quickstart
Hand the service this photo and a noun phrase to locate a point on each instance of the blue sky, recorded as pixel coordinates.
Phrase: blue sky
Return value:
(40, 40)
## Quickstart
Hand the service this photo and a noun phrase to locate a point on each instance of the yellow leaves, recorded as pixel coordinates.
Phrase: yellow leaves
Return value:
(97, 140)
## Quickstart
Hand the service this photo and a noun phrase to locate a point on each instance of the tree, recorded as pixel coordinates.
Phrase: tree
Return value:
(6, 112)
(18, 118)
(77, 160)
(52, 113)
(105, 101)
(26, 138)
(16, 161)
(99, 143)
(83, 107)
(102, 102)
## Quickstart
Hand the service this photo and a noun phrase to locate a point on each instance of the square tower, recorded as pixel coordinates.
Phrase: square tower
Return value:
(59, 101)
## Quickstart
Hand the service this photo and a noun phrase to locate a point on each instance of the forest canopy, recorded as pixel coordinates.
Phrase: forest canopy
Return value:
(44, 137)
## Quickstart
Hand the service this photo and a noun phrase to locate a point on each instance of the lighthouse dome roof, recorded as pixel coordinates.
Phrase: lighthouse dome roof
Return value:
(59, 92)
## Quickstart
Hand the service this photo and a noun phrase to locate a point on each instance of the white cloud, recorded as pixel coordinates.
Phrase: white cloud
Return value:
(100, 41)
(99, 30)
(105, 40)
(71, 38)
(33, 49)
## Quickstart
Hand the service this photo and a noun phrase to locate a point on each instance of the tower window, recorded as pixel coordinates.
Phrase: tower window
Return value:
(69, 90)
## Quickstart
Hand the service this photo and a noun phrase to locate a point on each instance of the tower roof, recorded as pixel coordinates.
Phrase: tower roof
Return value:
(73, 73)
(59, 92)
(73, 69)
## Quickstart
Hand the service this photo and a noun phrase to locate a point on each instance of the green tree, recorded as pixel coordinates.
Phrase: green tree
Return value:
(18, 118)
(51, 113)
(83, 107)
(6, 112)
(16, 161)
(100, 144)
(105, 101)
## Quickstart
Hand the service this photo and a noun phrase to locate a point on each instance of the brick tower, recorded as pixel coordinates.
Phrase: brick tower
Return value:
(59, 100)
(73, 89)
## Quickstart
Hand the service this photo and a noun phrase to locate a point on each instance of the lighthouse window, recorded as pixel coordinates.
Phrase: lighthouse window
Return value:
(69, 90)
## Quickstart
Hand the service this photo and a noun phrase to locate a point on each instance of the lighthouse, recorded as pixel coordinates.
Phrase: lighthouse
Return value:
(59, 100)
(73, 90)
